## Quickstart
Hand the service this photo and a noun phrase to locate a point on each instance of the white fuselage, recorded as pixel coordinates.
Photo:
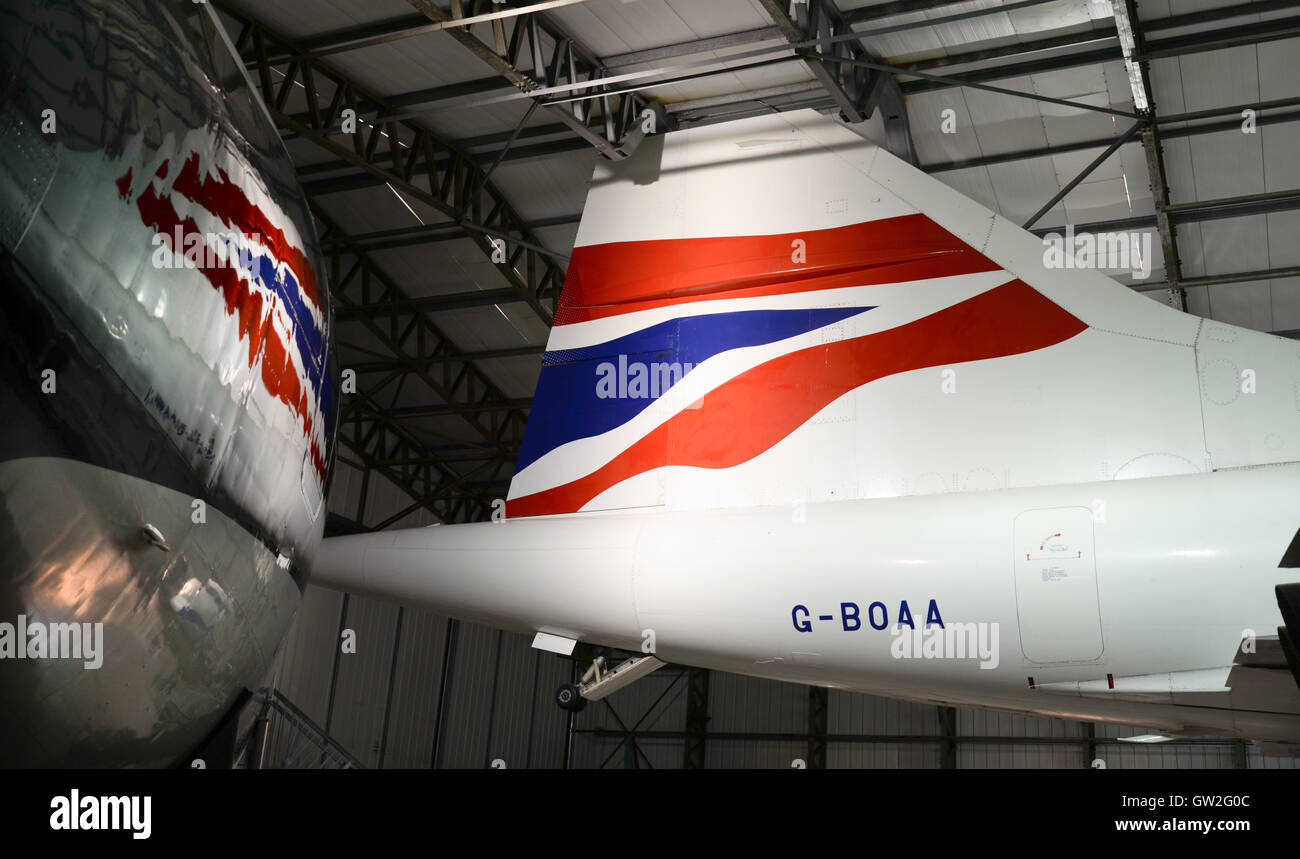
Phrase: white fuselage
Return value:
(1124, 601)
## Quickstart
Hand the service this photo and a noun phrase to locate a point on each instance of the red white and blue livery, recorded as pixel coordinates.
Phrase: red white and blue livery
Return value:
(807, 413)
(165, 378)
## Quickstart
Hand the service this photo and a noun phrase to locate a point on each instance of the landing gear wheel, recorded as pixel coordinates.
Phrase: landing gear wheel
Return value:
(570, 698)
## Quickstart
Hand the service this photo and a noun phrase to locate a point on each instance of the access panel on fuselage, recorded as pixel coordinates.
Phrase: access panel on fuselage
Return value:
(1056, 586)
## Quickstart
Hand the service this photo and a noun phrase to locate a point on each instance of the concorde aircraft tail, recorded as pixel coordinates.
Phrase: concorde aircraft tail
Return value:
(775, 310)
(801, 400)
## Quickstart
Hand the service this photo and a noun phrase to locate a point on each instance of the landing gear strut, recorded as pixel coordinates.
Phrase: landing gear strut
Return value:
(599, 681)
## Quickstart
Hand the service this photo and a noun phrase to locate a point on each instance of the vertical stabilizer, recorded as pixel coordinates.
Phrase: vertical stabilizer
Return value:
(775, 310)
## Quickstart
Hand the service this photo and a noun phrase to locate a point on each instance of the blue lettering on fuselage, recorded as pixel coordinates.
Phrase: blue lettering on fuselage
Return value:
(849, 616)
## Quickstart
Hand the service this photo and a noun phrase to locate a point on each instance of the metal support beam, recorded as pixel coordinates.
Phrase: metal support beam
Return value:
(357, 179)
(1154, 151)
(818, 721)
(379, 435)
(571, 721)
(631, 751)
(361, 499)
(975, 84)
(909, 7)
(1214, 40)
(627, 733)
(1134, 45)
(444, 454)
(363, 367)
(436, 411)
(697, 718)
(1140, 222)
(417, 163)
(1221, 13)
(334, 672)
(756, 95)
(429, 304)
(532, 709)
(857, 91)
(1207, 40)
(457, 93)
(948, 747)
(1005, 71)
(444, 688)
(405, 237)
(1234, 207)
(1085, 172)
(613, 124)
(894, 739)
(259, 733)
(492, 706)
(385, 447)
(815, 22)
(392, 682)
(407, 26)
(755, 36)
(647, 79)
(1012, 157)
(888, 96)
(1196, 41)
(1100, 32)
(1227, 280)
(1241, 277)
(1166, 132)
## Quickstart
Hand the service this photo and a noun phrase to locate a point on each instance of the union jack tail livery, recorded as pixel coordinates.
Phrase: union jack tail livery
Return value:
(807, 413)
(775, 311)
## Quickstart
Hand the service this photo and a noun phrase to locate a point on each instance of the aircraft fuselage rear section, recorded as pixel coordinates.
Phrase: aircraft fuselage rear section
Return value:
(1121, 601)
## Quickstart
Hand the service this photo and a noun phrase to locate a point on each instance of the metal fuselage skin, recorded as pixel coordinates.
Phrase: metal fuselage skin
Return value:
(141, 390)
(1184, 566)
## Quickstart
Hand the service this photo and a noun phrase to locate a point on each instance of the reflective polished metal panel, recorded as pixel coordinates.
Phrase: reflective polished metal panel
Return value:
(167, 389)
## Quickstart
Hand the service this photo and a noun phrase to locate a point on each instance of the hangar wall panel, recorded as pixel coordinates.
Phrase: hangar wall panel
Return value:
(852, 713)
(657, 702)
(361, 692)
(303, 667)
(414, 708)
(471, 689)
(882, 756)
(501, 706)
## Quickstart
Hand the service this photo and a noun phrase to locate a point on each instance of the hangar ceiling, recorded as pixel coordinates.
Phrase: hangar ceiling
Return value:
(448, 215)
